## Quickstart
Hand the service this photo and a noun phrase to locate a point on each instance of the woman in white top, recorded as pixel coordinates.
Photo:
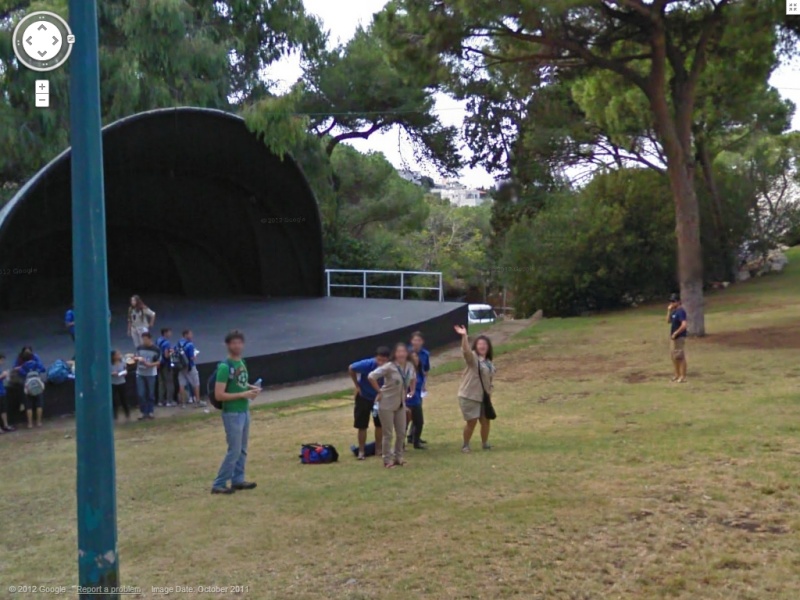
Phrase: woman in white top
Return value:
(140, 319)
(399, 379)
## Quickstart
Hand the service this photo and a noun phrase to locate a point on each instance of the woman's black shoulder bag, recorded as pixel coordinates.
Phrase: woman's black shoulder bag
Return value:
(488, 407)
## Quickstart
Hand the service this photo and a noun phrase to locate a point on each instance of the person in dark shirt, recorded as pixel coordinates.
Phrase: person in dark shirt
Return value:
(678, 325)
(414, 403)
(148, 357)
(418, 345)
(166, 379)
(365, 398)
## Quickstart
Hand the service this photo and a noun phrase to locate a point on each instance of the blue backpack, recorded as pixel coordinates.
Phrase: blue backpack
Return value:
(318, 454)
(58, 372)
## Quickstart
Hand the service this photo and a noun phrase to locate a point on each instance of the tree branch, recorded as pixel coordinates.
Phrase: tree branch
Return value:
(576, 49)
(701, 49)
(352, 135)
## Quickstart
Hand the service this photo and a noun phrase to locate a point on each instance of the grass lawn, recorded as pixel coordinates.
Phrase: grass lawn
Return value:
(606, 480)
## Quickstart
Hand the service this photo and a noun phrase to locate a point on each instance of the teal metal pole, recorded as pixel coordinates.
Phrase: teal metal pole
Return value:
(98, 564)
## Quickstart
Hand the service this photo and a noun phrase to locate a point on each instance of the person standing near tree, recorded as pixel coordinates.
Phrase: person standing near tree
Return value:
(140, 320)
(678, 324)
(476, 381)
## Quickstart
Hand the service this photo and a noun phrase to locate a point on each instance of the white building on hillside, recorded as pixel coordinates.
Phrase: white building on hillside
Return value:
(412, 176)
(459, 194)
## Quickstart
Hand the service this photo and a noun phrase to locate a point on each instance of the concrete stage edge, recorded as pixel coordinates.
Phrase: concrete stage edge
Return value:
(288, 340)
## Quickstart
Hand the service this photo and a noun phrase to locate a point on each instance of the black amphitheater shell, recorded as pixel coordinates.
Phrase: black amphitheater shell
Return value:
(196, 206)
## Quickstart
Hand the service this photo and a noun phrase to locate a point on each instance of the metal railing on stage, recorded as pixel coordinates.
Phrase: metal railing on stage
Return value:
(408, 281)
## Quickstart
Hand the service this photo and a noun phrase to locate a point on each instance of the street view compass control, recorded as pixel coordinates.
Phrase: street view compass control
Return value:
(43, 41)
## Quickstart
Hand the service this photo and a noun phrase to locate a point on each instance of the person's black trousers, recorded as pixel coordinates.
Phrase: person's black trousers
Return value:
(118, 399)
(417, 421)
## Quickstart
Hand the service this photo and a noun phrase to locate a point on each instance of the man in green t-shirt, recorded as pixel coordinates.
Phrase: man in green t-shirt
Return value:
(233, 389)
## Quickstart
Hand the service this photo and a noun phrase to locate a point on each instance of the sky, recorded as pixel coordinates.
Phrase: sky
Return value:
(341, 24)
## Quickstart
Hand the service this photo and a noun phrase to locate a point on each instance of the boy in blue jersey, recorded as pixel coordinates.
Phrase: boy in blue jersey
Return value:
(166, 386)
(189, 377)
(4, 426)
(418, 346)
(365, 398)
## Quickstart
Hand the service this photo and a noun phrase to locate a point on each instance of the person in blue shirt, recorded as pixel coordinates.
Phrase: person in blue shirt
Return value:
(166, 380)
(365, 398)
(189, 377)
(418, 345)
(414, 402)
(4, 426)
(27, 362)
(678, 324)
(69, 321)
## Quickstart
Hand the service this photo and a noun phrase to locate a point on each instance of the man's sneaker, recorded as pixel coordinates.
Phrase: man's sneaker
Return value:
(245, 485)
(191, 400)
(222, 490)
(142, 418)
(9, 428)
(162, 404)
(202, 403)
(171, 404)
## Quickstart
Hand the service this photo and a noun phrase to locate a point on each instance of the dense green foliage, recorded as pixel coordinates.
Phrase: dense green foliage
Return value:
(153, 54)
(602, 246)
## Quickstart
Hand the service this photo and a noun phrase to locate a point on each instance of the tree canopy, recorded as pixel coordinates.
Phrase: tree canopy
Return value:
(657, 54)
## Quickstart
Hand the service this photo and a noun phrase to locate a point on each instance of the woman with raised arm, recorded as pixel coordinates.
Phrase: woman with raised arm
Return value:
(399, 380)
(476, 381)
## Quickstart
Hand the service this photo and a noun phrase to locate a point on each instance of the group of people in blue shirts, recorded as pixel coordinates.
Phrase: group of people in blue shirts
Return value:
(365, 408)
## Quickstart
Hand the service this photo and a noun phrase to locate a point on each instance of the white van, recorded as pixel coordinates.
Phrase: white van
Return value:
(480, 314)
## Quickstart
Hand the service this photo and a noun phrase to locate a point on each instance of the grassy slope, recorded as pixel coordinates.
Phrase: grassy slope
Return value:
(606, 480)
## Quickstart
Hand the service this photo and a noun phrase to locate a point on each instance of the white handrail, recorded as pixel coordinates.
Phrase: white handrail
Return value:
(364, 286)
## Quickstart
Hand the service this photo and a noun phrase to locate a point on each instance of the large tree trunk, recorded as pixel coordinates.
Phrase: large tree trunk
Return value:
(690, 251)
(675, 132)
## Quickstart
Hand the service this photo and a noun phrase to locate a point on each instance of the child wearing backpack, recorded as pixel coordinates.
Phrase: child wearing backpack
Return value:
(4, 426)
(30, 368)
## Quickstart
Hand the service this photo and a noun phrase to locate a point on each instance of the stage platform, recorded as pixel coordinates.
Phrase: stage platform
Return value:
(288, 340)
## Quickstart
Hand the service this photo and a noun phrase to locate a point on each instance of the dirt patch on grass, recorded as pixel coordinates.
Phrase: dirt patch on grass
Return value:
(776, 337)
(637, 377)
(578, 368)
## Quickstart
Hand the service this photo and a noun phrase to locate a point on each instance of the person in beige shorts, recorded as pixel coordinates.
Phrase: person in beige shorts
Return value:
(475, 380)
(678, 321)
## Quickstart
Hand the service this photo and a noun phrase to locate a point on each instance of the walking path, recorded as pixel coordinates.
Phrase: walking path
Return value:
(500, 332)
